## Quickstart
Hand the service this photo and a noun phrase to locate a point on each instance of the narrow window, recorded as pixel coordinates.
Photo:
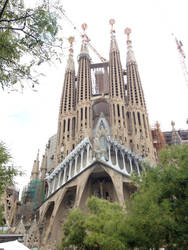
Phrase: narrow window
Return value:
(68, 129)
(64, 125)
(118, 110)
(123, 114)
(81, 114)
(139, 121)
(144, 121)
(86, 113)
(134, 118)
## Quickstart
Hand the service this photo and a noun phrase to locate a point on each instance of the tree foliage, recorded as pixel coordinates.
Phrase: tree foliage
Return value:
(7, 172)
(99, 229)
(28, 37)
(156, 216)
(158, 212)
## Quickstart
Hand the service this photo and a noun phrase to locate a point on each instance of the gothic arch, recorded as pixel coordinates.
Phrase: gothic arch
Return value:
(67, 202)
(48, 213)
(100, 184)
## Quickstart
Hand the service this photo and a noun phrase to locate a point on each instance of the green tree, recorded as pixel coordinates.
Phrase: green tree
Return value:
(7, 172)
(158, 211)
(100, 229)
(28, 38)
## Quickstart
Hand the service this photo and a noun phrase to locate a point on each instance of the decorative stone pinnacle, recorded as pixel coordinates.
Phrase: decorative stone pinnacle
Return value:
(127, 32)
(71, 40)
(173, 125)
(84, 36)
(112, 22)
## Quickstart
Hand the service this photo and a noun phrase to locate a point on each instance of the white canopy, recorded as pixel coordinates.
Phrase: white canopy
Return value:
(13, 245)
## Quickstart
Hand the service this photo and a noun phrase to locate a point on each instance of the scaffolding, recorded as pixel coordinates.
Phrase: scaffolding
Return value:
(34, 193)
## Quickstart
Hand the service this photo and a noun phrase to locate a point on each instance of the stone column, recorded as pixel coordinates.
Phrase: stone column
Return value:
(75, 168)
(64, 175)
(59, 178)
(88, 146)
(81, 167)
(70, 168)
(117, 165)
(137, 166)
(109, 154)
(124, 165)
(53, 187)
(130, 161)
(49, 186)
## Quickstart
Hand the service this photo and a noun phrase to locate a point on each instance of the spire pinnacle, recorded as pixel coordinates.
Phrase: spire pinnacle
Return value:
(35, 169)
(112, 22)
(130, 53)
(113, 45)
(70, 62)
(85, 40)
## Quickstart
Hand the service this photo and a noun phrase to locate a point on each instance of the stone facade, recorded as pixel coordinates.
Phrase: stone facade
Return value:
(103, 137)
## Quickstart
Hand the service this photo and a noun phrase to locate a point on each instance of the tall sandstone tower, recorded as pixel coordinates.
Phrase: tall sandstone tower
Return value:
(103, 137)
(123, 105)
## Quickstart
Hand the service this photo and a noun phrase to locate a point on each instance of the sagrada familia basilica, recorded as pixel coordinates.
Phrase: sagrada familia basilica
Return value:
(103, 137)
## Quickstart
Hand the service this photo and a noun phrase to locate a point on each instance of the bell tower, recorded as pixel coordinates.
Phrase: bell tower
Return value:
(140, 135)
(83, 102)
(117, 91)
(67, 113)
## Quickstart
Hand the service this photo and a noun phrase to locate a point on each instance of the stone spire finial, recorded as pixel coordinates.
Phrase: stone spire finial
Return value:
(43, 168)
(85, 40)
(70, 61)
(35, 169)
(130, 53)
(173, 125)
(113, 44)
(176, 139)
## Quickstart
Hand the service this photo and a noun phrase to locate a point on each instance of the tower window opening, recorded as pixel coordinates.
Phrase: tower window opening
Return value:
(118, 110)
(86, 113)
(64, 125)
(114, 112)
(59, 135)
(68, 129)
(134, 118)
(123, 114)
(144, 121)
(77, 119)
(73, 126)
(139, 120)
(81, 114)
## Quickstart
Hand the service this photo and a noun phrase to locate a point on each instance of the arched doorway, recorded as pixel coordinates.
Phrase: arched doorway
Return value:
(99, 184)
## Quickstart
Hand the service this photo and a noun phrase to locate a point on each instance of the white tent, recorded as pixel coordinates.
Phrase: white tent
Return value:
(13, 245)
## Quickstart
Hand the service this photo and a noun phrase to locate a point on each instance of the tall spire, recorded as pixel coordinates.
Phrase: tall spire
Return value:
(117, 89)
(137, 114)
(68, 95)
(134, 86)
(35, 169)
(65, 135)
(83, 110)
